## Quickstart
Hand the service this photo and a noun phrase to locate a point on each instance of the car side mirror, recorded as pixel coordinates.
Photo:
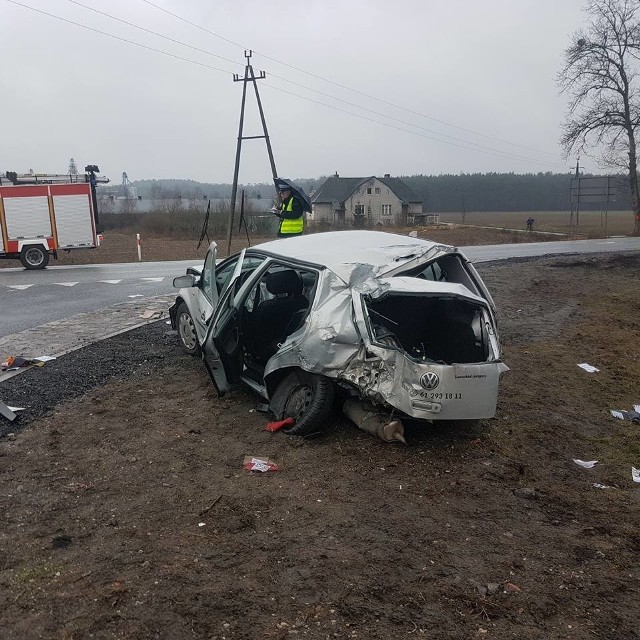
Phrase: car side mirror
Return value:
(185, 281)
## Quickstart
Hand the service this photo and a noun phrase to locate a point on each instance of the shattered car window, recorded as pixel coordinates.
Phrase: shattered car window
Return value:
(445, 269)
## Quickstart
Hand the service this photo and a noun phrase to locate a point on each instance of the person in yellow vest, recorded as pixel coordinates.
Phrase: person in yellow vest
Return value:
(290, 213)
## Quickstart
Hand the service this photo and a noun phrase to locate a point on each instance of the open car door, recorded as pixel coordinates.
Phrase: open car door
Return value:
(222, 350)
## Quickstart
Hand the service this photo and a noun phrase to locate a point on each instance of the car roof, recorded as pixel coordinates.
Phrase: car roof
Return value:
(334, 249)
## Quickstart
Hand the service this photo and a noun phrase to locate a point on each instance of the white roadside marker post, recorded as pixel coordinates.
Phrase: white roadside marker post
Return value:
(139, 249)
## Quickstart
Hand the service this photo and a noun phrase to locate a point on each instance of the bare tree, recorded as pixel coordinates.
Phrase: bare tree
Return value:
(600, 75)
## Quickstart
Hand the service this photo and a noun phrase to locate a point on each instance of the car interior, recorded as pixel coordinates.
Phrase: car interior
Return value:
(274, 308)
(430, 328)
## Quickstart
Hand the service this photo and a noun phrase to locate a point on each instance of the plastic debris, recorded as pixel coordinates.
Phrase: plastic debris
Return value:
(635, 474)
(14, 409)
(587, 464)
(629, 416)
(589, 368)
(255, 463)
(201, 524)
(597, 485)
(276, 426)
(13, 363)
(6, 412)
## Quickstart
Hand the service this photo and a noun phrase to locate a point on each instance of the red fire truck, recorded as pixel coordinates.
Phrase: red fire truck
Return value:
(41, 214)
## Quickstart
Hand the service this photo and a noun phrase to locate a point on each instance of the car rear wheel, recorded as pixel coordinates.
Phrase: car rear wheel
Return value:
(305, 397)
(34, 256)
(187, 331)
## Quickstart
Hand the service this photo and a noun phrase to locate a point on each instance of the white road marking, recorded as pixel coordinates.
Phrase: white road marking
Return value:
(608, 242)
(110, 281)
(20, 286)
(66, 284)
(153, 279)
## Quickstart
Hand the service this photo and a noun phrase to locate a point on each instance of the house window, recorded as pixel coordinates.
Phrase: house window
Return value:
(368, 191)
(369, 211)
(386, 209)
(358, 210)
(377, 191)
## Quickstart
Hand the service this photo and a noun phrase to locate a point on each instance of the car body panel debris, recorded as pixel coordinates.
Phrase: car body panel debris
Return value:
(401, 323)
(6, 412)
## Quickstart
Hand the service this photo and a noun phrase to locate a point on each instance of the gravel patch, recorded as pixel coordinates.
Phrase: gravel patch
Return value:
(136, 353)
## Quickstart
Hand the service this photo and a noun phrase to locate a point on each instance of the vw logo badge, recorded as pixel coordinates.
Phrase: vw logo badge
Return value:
(430, 380)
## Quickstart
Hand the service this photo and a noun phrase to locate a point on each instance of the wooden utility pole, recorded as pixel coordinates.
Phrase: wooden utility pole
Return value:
(249, 76)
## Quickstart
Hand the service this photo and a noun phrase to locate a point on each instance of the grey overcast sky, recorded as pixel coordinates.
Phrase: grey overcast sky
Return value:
(361, 87)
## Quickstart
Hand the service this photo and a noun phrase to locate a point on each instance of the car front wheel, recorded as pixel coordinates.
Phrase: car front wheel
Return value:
(305, 397)
(187, 331)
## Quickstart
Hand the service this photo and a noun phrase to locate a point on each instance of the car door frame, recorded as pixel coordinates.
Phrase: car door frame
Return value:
(221, 361)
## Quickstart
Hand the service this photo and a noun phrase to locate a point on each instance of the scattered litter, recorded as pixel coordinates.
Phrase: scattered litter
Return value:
(136, 295)
(589, 368)
(589, 464)
(14, 409)
(597, 485)
(629, 416)
(275, 426)
(13, 363)
(201, 524)
(150, 313)
(6, 412)
(635, 474)
(168, 322)
(254, 463)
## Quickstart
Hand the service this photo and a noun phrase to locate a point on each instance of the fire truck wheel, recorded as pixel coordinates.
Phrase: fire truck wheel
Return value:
(34, 256)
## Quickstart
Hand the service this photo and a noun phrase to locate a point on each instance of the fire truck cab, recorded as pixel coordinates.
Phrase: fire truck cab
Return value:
(41, 214)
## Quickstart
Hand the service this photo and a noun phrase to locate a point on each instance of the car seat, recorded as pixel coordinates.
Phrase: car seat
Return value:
(274, 319)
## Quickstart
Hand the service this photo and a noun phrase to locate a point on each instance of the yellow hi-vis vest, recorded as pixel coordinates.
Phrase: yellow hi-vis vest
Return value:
(291, 225)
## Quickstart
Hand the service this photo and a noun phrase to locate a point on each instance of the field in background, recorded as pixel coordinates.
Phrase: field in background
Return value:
(175, 236)
(592, 223)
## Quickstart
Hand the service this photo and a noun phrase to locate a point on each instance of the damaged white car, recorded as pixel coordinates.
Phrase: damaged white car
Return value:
(403, 326)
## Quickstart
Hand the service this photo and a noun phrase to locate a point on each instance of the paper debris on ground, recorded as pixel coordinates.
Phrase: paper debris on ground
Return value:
(589, 368)
(635, 474)
(587, 464)
(597, 485)
(14, 409)
(257, 463)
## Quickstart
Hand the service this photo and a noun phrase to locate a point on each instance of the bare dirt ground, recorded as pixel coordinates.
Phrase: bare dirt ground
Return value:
(126, 513)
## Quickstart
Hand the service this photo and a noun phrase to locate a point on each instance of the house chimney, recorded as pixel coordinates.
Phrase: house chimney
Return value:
(336, 175)
(387, 175)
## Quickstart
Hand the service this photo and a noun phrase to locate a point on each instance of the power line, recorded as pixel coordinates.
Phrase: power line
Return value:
(464, 144)
(110, 35)
(505, 154)
(342, 86)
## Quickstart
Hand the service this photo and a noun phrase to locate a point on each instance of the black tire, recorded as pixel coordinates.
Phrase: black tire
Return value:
(305, 397)
(187, 331)
(34, 256)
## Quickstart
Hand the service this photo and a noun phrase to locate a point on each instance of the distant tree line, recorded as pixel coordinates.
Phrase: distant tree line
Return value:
(504, 192)
(442, 194)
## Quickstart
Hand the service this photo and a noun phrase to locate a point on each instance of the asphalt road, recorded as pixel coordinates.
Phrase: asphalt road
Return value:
(31, 298)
